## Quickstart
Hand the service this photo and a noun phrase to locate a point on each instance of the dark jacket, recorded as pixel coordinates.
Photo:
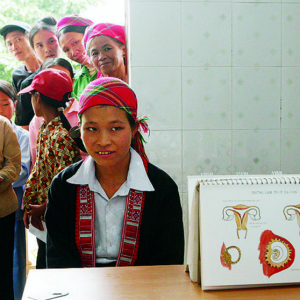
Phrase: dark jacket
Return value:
(25, 111)
(161, 233)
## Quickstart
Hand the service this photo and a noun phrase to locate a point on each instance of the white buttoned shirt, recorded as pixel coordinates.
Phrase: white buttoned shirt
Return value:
(109, 213)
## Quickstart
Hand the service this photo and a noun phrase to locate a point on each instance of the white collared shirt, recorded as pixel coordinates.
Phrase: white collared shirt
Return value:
(109, 213)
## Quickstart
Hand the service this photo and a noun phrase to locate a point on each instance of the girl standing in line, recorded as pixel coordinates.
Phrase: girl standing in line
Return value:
(70, 111)
(50, 90)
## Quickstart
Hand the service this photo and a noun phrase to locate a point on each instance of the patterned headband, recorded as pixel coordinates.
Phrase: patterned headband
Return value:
(112, 30)
(73, 20)
(109, 91)
(115, 92)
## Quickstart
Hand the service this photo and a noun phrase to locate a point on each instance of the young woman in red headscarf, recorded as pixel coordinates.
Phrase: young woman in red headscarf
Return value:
(106, 47)
(114, 208)
(70, 32)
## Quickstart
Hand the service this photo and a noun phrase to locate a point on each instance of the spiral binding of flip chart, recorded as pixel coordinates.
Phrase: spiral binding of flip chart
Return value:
(246, 180)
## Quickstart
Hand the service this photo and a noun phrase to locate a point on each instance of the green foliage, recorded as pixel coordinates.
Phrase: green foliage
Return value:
(29, 11)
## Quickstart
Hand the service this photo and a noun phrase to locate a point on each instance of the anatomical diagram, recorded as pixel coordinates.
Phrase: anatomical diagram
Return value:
(241, 213)
(292, 211)
(276, 253)
(230, 256)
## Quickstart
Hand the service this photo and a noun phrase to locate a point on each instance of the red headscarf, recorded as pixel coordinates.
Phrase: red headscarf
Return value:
(112, 30)
(115, 92)
(73, 20)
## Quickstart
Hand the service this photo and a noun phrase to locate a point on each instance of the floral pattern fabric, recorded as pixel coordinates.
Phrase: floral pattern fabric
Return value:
(55, 151)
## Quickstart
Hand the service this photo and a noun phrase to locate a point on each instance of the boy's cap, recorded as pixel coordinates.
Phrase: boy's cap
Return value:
(51, 83)
(14, 26)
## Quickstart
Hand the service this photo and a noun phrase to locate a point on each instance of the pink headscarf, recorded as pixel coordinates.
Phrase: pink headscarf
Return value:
(112, 30)
(73, 20)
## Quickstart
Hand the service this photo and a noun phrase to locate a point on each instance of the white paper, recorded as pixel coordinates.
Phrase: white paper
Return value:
(237, 215)
(45, 295)
(41, 235)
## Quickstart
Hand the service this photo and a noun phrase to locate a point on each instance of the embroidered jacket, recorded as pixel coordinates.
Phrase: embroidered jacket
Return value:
(55, 151)
(161, 234)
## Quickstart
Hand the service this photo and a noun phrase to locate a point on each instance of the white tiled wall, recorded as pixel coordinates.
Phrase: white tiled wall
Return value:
(220, 81)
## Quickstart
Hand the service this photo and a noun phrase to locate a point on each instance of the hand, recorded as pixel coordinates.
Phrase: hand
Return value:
(26, 218)
(37, 223)
(36, 211)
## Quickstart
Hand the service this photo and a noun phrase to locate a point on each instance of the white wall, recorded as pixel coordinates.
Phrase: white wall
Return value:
(221, 83)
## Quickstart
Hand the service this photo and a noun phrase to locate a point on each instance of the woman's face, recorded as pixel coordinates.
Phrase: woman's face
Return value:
(107, 56)
(46, 45)
(7, 106)
(70, 43)
(107, 135)
(18, 45)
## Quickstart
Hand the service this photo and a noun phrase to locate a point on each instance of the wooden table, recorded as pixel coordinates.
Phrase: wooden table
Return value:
(152, 282)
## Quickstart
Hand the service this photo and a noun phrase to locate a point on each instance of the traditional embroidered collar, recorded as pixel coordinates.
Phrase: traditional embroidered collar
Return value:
(137, 177)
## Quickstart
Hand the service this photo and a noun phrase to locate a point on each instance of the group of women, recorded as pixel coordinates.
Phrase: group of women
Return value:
(113, 208)
(103, 53)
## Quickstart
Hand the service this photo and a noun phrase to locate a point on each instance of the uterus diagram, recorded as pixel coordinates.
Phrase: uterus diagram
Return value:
(241, 213)
(292, 211)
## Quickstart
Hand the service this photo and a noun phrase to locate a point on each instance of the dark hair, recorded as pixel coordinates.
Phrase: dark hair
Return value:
(57, 104)
(51, 62)
(64, 120)
(8, 89)
(47, 23)
(132, 124)
(130, 120)
(71, 28)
